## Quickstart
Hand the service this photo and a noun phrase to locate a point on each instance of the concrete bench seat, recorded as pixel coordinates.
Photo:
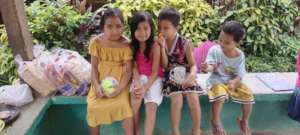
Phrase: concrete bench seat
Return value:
(66, 115)
(256, 85)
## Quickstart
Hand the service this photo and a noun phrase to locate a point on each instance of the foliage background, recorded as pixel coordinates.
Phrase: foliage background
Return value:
(271, 44)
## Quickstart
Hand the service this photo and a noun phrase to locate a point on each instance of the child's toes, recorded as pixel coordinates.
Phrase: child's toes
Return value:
(244, 127)
(218, 129)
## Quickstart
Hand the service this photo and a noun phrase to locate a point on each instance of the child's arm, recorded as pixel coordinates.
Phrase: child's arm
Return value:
(136, 81)
(136, 75)
(193, 69)
(127, 73)
(210, 63)
(164, 57)
(95, 76)
(155, 67)
(233, 83)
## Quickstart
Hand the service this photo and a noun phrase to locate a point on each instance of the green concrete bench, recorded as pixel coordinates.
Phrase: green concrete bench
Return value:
(66, 115)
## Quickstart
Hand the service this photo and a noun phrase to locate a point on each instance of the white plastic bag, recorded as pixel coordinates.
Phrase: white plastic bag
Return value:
(16, 95)
(38, 50)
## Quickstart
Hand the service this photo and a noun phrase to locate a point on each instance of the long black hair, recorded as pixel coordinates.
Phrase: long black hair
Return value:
(135, 20)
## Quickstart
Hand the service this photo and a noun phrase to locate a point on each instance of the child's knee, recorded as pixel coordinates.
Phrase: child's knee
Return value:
(219, 101)
(176, 103)
(135, 107)
(194, 106)
(193, 97)
(176, 100)
(151, 108)
(193, 101)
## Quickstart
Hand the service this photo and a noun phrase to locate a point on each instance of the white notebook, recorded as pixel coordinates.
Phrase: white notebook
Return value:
(276, 82)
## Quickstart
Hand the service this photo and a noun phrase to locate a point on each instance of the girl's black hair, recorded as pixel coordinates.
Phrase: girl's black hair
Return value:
(110, 12)
(135, 20)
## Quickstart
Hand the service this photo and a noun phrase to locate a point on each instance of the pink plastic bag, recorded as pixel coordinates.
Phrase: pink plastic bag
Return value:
(200, 53)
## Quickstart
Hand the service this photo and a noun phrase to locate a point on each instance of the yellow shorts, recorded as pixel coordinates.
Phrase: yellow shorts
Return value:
(242, 94)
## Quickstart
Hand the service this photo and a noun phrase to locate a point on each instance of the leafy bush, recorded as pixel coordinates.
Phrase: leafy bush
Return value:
(7, 66)
(53, 24)
(8, 71)
(270, 64)
(198, 20)
(265, 21)
(270, 44)
(56, 24)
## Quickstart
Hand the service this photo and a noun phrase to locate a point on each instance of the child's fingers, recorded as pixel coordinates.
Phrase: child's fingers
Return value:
(204, 65)
(138, 92)
(138, 96)
(100, 94)
(185, 84)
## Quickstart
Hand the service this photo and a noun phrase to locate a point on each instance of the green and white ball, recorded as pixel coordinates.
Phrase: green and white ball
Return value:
(108, 84)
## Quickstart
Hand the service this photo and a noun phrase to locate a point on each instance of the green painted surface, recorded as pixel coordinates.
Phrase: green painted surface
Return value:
(66, 116)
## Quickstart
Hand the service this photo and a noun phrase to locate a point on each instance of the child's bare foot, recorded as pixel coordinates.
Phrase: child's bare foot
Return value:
(197, 132)
(244, 127)
(218, 129)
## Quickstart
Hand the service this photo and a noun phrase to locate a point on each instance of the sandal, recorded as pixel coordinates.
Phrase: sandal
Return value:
(8, 113)
(244, 127)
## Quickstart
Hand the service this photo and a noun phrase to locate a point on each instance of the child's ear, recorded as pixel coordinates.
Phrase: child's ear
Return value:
(177, 28)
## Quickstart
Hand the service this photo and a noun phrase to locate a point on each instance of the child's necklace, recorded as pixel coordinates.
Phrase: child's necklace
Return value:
(173, 45)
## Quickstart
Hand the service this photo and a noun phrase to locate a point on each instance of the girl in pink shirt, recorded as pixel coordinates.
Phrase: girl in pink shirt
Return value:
(147, 73)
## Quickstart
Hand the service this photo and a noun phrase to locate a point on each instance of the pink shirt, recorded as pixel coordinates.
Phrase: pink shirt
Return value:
(298, 68)
(145, 65)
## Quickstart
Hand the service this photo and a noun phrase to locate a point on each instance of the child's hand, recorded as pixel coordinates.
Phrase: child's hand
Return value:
(99, 91)
(137, 84)
(232, 85)
(204, 67)
(161, 40)
(189, 81)
(140, 92)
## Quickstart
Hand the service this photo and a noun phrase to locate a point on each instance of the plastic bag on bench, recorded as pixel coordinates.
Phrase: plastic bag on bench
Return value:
(72, 72)
(16, 95)
(33, 73)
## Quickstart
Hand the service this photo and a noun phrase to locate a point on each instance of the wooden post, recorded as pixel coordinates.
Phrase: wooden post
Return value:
(14, 18)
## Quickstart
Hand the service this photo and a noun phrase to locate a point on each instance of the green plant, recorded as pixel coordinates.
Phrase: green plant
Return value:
(52, 23)
(55, 24)
(289, 47)
(8, 71)
(265, 21)
(198, 20)
(270, 64)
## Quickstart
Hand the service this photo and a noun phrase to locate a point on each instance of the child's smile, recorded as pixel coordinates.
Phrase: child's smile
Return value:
(143, 31)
